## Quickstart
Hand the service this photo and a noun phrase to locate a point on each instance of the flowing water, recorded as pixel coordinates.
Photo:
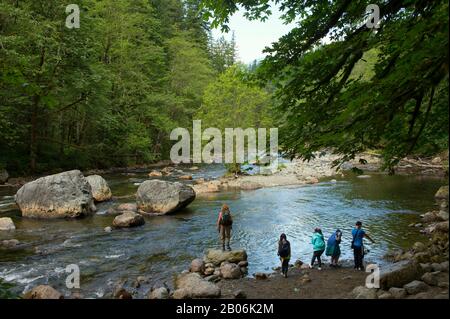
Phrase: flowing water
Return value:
(165, 245)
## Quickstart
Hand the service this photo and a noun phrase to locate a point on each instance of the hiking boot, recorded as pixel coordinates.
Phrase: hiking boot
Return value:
(223, 247)
(229, 248)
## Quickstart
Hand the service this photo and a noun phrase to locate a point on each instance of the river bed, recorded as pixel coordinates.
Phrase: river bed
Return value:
(165, 245)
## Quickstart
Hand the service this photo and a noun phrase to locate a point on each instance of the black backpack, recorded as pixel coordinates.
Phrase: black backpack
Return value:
(284, 251)
(226, 219)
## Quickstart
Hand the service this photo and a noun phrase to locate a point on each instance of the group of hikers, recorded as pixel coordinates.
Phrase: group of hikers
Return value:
(331, 247)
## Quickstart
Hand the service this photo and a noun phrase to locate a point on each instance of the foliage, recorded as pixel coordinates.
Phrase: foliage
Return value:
(105, 94)
(342, 85)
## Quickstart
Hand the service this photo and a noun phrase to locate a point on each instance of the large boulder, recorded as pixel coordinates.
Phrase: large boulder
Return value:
(217, 256)
(63, 195)
(399, 274)
(3, 176)
(162, 197)
(100, 189)
(128, 219)
(192, 285)
(6, 223)
(230, 271)
(43, 292)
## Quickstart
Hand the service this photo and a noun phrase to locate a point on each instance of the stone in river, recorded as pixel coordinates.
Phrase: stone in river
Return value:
(6, 224)
(100, 189)
(128, 219)
(63, 195)
(163, 197)
(43, 292)
(217, 256)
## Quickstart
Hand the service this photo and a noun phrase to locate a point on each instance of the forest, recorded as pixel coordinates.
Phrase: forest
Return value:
(106, 94)
(109, 93)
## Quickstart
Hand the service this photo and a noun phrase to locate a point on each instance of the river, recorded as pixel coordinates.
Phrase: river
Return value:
(165, 245)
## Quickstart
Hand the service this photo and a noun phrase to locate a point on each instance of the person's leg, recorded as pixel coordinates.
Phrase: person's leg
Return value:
(355, 257)
(319, 254)
(358, 257)
(361, 260)
(222, 236)
(228, 236)
(313, 259)
(285, 266)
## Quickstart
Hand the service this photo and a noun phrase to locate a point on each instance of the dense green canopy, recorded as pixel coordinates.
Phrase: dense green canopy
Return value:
(342, 85)
(105, 94)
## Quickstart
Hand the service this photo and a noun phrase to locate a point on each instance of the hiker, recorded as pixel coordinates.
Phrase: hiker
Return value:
(358, 235)
(224, 225)
(318, 243)
(284, 251)
(333, 248)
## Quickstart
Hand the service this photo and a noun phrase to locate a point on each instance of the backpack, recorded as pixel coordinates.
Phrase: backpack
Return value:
(226, 219)
(284, 251)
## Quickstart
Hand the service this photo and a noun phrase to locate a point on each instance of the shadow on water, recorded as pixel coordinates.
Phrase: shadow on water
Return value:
(165, 245)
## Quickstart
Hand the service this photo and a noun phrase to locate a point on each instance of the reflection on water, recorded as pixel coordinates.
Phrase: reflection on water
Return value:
(165, 245)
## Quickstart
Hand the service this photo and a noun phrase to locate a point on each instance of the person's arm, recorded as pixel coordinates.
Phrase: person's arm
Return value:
(218, 221)
(369, 238)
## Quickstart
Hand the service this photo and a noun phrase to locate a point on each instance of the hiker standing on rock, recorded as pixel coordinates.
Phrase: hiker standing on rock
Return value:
(284, 251)
(224, 225)
(318, 243)
(358, 235)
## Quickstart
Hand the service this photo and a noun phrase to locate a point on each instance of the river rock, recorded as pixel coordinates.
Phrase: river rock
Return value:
(43, 292)
(167, 170)
(155, 174)
(217, 256)
(230, 271)
(239, 294)
(64, 195)
(108, 229)
(209, 271)
(158, 293)
(122, 293)
(6, 224)
(431, 278)
(398, 293)
(261, 276)
(399, 274)
(207, 187)
(197, 265)
(192, 285)
(419, 247)
(243, 263)
(362, 292)
(127, 207)
(431, 217)
(385, 295)
(422, 257)
(100, 188)
(443, 215)
(10, 243)
(3, 176)
(162, 197)
(128, 219)
(442, 193)
(416, 286)
(186, 177)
